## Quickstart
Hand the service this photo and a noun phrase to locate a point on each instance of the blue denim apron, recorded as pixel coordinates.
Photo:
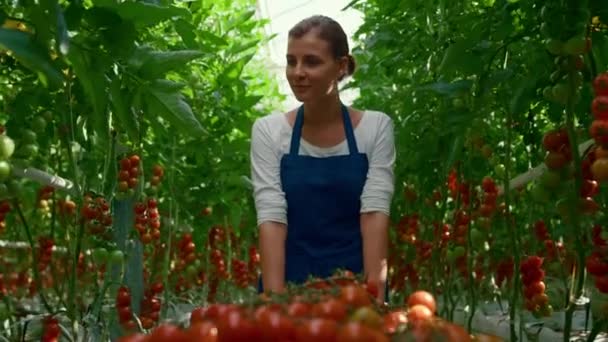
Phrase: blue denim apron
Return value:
(323, 208)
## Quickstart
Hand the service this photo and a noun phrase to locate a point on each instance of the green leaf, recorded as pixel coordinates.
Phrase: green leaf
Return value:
(520, 102)
(93, 82)
(187, 31)
(157, 63)
(173, 108)
(241, 19)
(125, 116)
(240, 47)
(458, 57)
(213, 39)
(146, 14)
(168, 86)
(31, 55)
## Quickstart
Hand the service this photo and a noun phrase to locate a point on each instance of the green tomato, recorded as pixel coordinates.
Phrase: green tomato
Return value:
(5, 170)
(561, 93)
(39, 124)
(100, 255)
(477, 237)
(459, 251)
(7, 147)
(29, 136)
(548, 93)
(540, 194)
(500, 171)
(28, 151)
(117, 257)
(575, 46)
(551, 179)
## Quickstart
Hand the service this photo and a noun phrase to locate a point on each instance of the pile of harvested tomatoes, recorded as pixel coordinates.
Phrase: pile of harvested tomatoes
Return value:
(341, 308)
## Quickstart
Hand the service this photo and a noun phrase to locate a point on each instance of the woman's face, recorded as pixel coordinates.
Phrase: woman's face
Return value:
(312, 71)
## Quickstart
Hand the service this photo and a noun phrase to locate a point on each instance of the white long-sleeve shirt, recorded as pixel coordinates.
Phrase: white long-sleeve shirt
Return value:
(271, 139)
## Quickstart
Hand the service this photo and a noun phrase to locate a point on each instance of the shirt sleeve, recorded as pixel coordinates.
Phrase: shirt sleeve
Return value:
(379, 188)
(268, 195)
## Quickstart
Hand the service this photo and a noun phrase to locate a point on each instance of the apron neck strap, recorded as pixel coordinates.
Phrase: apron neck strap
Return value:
(297, 131)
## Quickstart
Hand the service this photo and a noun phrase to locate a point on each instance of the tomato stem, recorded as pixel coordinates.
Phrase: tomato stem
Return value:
(579, 272)
(515, 238)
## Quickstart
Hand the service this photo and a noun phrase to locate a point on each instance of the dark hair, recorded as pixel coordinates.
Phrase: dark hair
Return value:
(330, 31)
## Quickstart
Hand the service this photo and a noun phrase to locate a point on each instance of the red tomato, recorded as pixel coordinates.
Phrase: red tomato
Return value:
(602, 283)
(317, 330)
(202, 331)
(534, 289)
(331, 309)
(355, 296)
(393, 320)
(167, 332)
(419, 313)
(422, 298)
(235, 326)
(277, 327)
(354, 332)
(599, 107)
(137, 337)
(298, 309)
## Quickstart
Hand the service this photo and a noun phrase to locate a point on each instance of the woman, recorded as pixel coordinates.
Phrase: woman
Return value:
(322, 173)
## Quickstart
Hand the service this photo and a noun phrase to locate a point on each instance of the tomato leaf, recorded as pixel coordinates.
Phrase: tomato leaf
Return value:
(124, 115)
(93, 82)
(458, 57)
(241, 19)
(145, 13)
(173, 108)
(156, 63)
(31, 55)
(187, 31)
(210, 37)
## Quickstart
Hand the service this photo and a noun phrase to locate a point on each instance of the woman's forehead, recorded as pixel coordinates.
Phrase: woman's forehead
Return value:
(310, 41)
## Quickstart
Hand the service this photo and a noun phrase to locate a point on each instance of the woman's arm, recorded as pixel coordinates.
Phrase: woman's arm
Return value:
(374, 231)
(272, 255)
(270, 205)
(376, 202)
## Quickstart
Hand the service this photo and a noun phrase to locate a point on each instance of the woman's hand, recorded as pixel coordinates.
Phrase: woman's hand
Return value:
(272, 256)
(374, 232)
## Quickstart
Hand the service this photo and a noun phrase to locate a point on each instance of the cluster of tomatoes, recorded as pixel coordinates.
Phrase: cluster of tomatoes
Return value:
(150, 306)
(599, 127)
(551, 248)
(532, 275)
(128, 175)
(147, 221)
(337, 309)
(158, 172)
(597, 261)
(490, 194)
(96, 214)
(44, 198)
(186, 260)
(123, 307)
(45, 252)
